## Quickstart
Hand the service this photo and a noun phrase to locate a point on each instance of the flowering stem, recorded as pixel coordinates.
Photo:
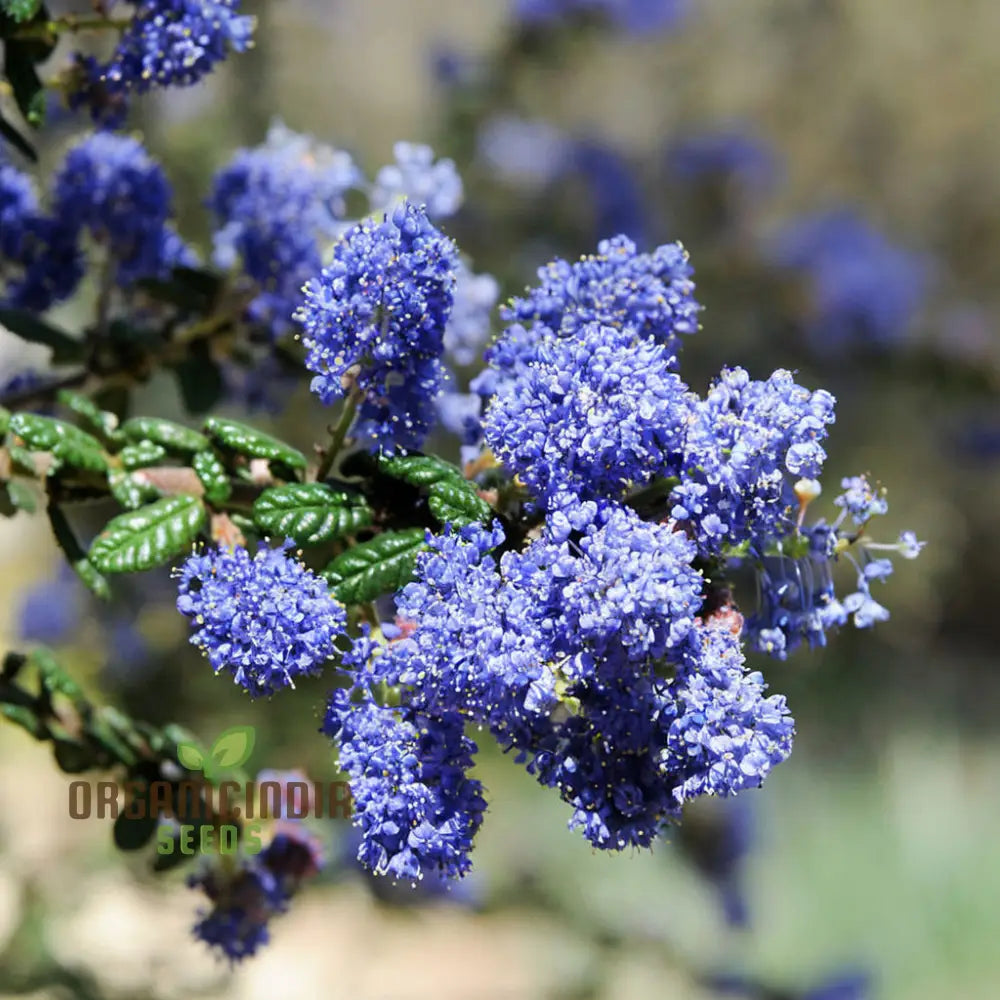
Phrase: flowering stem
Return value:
(338, 434)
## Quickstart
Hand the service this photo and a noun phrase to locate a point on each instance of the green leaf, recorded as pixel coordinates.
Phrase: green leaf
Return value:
(248, 441)
(142, 455)
(4, 419)
(24, 717)
(101, 421)
(150, 536)
(92, 579)
(27, 326)
(234, 746)
(458, 503)
(175, 438)
(129, 491)
(213, 476)
(380, 566)
(21, 10)
(310, 513)
(54, 679)
(190, 756)
(67, 444)
(419, 470)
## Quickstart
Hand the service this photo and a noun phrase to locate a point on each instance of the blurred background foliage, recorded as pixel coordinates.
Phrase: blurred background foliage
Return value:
(874, 847)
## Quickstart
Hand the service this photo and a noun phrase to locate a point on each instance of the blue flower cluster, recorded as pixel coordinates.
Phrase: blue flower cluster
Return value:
(110, 188)
(246, 894)
(592, 414)
(107, 188)
(603, 648)
(168, 43)
(265, 619)
(562, 651)
(277, 207)
(864, 290)
(374, 323)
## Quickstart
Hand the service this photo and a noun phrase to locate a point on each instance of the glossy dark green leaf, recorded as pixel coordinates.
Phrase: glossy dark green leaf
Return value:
(175, 438)
(380, 566)
(213, 476)
(150, 536)
(142, 455)
(310, 513)
(68, 444)
(253, 443)
(187, 288)
(419, 470)
(129, 490)
(100, 421)
(457, 502)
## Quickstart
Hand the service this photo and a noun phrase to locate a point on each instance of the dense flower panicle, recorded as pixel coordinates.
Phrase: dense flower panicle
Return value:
(865, 290)
(265, 619)
(417, 177)
(651, 293)
(378, 314)
(18, 204)
(277, 207)
(745, 447)
(593, 414)
(110, 187)
(169, 43)
(727, 736)
(414, 804)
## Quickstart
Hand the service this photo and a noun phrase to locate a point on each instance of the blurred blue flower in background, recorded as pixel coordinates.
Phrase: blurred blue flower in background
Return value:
(863, 289)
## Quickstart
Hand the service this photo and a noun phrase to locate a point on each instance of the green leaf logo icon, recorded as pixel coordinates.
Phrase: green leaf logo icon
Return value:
(190, 756)
(234, 746)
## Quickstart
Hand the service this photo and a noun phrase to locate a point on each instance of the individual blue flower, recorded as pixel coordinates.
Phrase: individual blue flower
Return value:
(168, 43)
(414, 803)
(265, 619)
(860, 500)
(595, 413)
(375, 319)
(864, 290)
(277, 207)
(417, 177)
(110, 187)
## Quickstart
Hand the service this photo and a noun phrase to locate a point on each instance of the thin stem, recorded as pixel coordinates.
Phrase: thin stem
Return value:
(339, 433)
